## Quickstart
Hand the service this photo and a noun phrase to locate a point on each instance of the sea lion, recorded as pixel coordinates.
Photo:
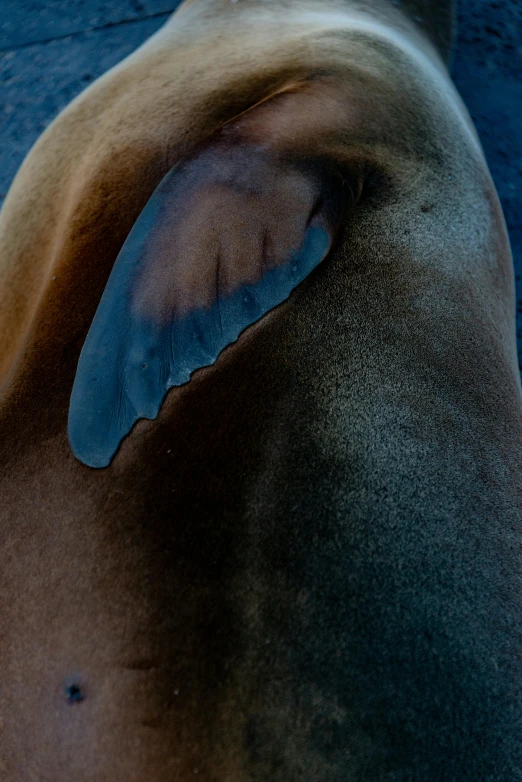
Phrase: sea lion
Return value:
(308, 566)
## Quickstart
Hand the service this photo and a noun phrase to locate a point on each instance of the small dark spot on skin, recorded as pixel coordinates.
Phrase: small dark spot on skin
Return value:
(73, 693)
(140, 665)
(426, 207)
(152, 722)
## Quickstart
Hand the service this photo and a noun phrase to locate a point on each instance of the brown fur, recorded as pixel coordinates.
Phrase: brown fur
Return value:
(309, 567)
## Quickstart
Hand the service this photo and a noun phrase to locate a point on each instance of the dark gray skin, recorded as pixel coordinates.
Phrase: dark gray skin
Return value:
(308, 567)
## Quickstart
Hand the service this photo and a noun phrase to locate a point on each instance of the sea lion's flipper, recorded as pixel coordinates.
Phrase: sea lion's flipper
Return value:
(225, 237)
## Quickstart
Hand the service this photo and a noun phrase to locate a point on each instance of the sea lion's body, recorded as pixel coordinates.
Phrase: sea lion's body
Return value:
(308, 568)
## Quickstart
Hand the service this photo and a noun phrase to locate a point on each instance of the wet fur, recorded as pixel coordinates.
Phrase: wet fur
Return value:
(309, 567)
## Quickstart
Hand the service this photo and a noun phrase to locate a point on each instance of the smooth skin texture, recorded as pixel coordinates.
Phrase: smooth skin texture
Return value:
(308, 567)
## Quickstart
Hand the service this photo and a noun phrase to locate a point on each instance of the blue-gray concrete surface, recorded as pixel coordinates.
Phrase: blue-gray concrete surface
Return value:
(51, 49)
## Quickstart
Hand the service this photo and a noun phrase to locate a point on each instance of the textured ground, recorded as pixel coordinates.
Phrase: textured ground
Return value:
(50, 50)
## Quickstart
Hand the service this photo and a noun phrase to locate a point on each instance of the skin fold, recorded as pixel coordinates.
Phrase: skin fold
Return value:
(308, 566)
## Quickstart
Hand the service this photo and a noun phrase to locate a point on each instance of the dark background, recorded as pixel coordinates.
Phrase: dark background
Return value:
(51, 49)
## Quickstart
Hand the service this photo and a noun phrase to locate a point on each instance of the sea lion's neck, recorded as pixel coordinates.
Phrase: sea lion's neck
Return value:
(434, 19)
